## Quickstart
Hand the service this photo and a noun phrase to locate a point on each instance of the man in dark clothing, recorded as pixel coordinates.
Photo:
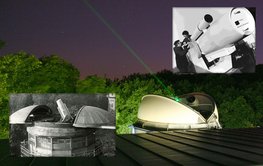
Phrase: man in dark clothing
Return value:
(181, 59)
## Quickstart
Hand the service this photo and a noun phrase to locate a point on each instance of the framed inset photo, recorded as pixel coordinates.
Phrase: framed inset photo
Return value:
(62, 125)
(214, 39)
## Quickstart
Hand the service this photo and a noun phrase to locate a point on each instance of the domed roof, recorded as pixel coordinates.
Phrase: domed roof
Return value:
(30, 113)
(159, 109)
(94, 117)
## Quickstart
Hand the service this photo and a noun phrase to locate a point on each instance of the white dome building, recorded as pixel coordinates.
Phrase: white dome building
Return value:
(192, 111)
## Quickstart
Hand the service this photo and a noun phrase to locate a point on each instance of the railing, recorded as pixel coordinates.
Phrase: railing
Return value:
(24, 151)
(98, 149)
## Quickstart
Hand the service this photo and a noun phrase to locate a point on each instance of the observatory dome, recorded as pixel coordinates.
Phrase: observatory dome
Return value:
(194, 110)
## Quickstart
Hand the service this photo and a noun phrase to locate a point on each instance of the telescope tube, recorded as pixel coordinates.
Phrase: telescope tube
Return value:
(230, 28)
(204, 24)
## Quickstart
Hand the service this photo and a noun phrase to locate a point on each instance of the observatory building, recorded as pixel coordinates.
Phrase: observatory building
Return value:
(190, 111)
(54, 139)
(66, 135)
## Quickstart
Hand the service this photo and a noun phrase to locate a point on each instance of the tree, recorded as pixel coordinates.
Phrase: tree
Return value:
(93, 84)
(17, 72)
(57, 75)
(236, 114)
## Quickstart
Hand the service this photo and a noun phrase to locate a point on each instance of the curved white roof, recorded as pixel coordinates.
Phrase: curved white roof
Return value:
(94, 117)
(159, 109)
(20, 116)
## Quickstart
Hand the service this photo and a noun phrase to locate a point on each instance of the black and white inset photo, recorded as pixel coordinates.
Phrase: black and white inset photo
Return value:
(214, 40)
(64, 125)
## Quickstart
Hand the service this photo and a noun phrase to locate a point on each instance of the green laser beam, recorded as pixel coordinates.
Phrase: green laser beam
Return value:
(125, 44)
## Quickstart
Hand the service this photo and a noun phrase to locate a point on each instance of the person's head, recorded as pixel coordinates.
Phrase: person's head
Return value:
(177, 43)
(185, 34)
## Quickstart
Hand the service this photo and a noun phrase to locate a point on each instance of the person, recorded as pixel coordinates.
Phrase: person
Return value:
(187, 37)
(181, 59)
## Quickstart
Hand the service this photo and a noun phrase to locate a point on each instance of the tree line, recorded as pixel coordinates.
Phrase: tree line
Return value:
(238, 96)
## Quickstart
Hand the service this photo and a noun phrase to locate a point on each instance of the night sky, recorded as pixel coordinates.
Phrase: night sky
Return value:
(70, 29)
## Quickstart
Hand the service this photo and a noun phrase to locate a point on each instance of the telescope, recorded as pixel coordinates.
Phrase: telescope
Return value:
(214, 41)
